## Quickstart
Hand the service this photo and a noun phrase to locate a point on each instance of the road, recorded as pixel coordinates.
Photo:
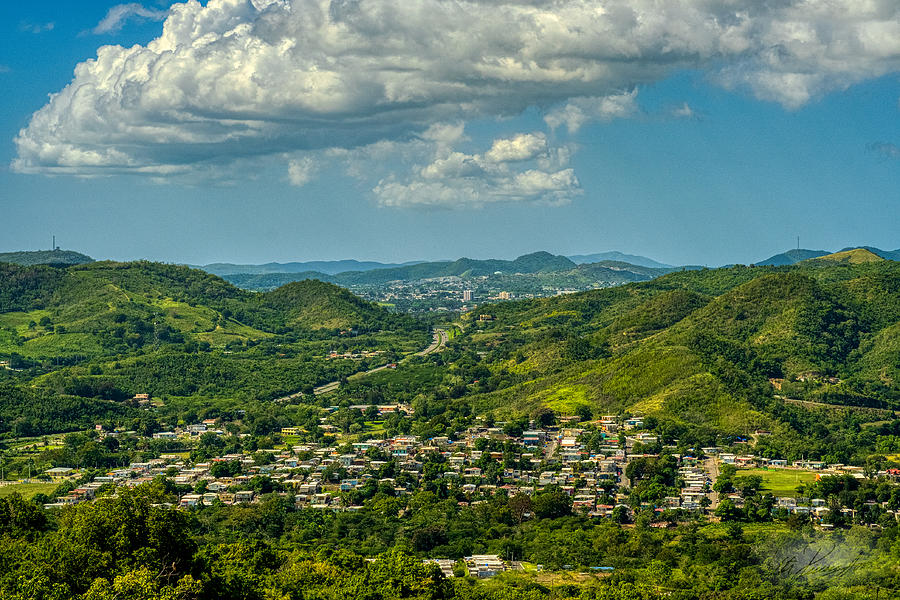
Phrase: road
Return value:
(711, 465)
(440, 340)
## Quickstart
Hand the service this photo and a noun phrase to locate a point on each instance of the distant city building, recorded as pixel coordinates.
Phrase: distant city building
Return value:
(467, 295)
(504, 295)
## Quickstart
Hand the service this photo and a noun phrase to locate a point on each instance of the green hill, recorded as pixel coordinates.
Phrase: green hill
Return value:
(45, 257)
(106, 308)
(698, 347)
(315, 304)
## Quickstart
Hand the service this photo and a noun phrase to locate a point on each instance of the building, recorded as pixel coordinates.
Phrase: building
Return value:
(467, 295)
(484, 565)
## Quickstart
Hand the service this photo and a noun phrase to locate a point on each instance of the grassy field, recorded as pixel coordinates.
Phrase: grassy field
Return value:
(780, 482)
(27, 490)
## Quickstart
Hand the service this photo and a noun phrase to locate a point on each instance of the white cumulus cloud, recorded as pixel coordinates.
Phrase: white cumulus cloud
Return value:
(234, 79)
(522, 168)
(524, 146)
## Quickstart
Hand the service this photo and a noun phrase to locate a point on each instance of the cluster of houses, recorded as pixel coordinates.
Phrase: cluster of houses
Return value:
(568, 456)
(545, 456)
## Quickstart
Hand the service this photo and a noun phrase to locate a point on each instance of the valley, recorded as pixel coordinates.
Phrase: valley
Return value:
(494, 443)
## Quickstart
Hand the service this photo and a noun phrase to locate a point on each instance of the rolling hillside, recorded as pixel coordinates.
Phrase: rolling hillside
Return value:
(106, 308)
(698, 348)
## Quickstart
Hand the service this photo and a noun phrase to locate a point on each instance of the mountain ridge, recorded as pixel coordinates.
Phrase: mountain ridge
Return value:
(328, 267)
(615, 255)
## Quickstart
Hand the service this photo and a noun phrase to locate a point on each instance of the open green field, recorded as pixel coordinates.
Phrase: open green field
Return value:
(28, 490)
(780, 482)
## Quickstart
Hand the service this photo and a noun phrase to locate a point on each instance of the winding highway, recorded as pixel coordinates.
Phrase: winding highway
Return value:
(441, 338)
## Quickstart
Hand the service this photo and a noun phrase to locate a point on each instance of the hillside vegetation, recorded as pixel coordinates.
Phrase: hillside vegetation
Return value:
(106, 331)
(108, 308)
(699, 348)
(45, 257)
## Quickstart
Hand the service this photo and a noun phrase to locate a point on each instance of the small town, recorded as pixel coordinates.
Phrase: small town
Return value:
(596, 464)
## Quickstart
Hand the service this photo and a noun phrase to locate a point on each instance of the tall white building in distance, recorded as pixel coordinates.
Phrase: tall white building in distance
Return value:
(467, 295)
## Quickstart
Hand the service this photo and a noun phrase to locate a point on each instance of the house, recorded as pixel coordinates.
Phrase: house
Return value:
(56, 472)
(533, 438)
(444, 564)
(243, 496)
(483, 566)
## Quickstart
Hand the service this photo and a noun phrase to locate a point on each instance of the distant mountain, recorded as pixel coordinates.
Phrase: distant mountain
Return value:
(528, 264)
(888, 254)
(330, 267)
(641, 261)
(791, 256)
(635, 272)
(45, 257)
(536, 262)
(553, 271)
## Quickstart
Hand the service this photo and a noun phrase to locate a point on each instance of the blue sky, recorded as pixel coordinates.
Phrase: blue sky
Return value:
(276, 130)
